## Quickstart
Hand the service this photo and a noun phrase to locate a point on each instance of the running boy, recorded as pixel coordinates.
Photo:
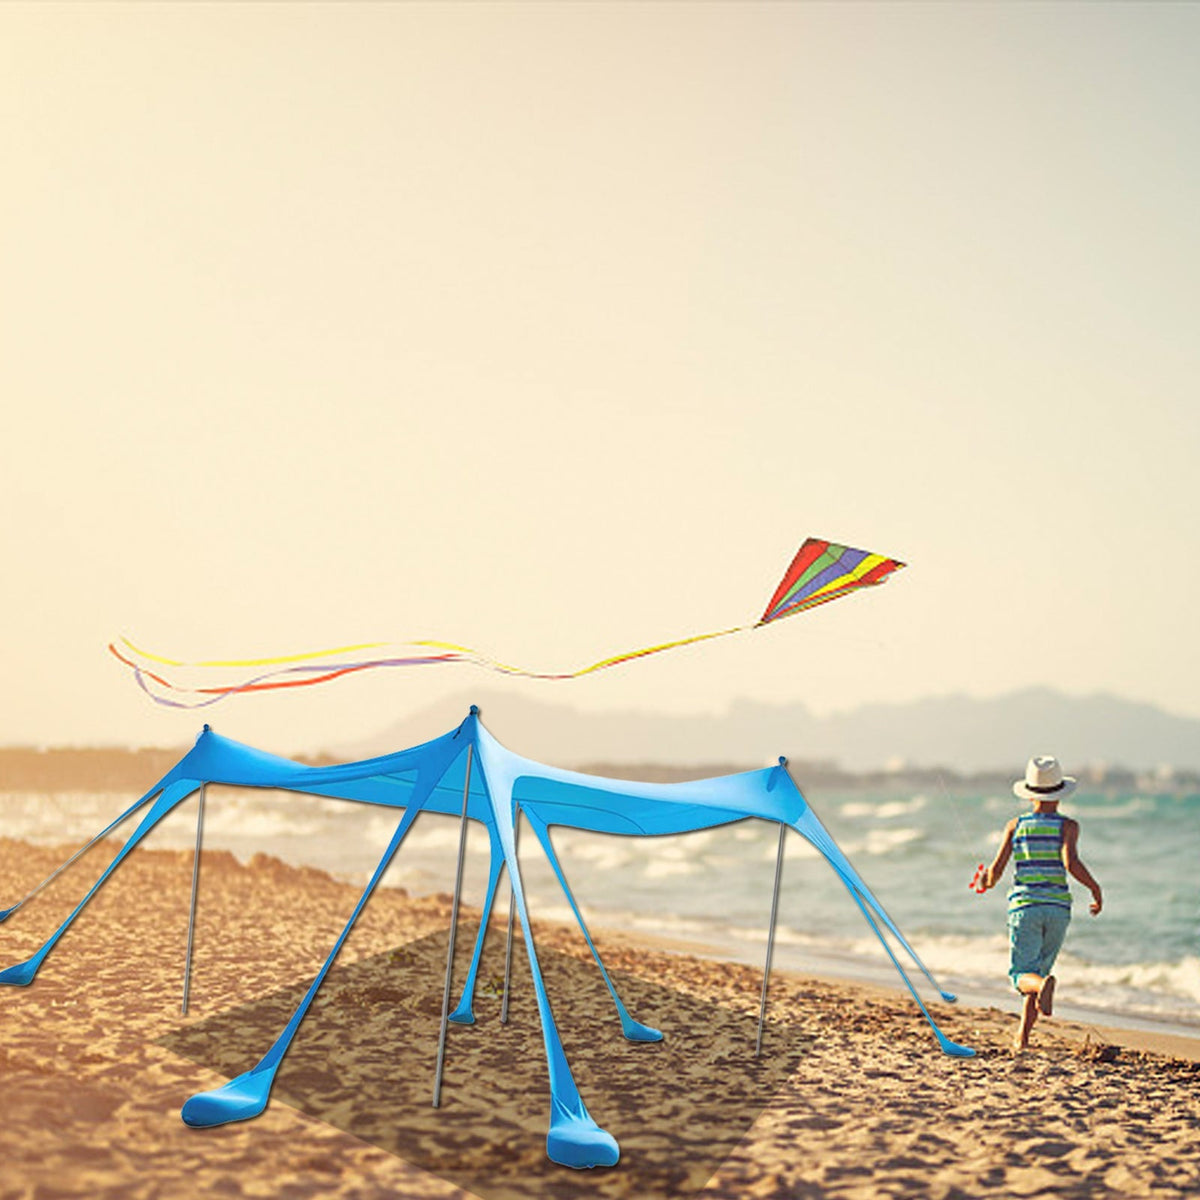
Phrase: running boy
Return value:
(1039, 906)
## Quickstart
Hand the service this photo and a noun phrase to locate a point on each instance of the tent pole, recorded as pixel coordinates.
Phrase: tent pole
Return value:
(762, 1008)
(462, 847)
(187, 965)
(509, 942)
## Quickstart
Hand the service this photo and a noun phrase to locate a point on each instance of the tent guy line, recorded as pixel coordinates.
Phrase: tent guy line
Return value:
(821, 571)
(497, 791)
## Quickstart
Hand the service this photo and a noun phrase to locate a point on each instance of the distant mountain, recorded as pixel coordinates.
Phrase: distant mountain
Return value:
(957, 732)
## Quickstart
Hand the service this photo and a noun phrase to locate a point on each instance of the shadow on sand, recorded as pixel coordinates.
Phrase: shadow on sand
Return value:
(364, 1062)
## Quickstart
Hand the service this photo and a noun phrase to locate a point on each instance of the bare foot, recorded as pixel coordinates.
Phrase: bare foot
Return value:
(1045, 997)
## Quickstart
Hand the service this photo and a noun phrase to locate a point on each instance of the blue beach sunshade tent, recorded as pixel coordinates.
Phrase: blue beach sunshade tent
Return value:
(467, 773)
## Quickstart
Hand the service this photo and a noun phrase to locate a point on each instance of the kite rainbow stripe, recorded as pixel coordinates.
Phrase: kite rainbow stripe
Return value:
(824, 571)
(821, 571)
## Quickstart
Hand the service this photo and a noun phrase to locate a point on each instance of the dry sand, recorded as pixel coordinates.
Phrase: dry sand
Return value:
(851, 1098)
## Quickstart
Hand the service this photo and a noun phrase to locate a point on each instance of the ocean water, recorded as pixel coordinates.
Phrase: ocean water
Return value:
(1137, 963)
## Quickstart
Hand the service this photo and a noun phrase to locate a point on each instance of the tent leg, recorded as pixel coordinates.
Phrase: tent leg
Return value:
(8, 912)
(187, 962)
(762, 1008)
(574, 1139)
(508, 944)
(464, 1013)
(171, 797)
(948, 1047)
(816, 833)
(633, 1030)
(462, 847)
(247, 1095)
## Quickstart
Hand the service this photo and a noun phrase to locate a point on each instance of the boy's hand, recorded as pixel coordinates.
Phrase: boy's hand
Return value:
(1097, 903)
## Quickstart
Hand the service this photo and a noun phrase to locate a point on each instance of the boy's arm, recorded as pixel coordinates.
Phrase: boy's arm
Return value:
(1074, 864)
(992, 875)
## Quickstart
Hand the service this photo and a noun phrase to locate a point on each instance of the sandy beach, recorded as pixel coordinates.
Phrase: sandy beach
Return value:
(851, 1097)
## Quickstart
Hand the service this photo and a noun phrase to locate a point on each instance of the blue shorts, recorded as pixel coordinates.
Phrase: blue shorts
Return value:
(1035, 936)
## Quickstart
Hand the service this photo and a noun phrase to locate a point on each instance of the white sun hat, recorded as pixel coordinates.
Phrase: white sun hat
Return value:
(1043, 780)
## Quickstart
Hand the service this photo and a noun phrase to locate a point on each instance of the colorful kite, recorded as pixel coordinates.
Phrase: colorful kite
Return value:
(820, 572)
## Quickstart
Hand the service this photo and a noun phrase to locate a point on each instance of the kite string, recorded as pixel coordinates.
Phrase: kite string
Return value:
(963, 834)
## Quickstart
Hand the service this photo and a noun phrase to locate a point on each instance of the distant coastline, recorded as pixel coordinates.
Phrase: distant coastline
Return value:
(831, 776)
(114, 768)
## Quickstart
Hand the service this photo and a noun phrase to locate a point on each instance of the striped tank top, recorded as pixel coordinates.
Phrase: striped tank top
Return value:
(1041, 877)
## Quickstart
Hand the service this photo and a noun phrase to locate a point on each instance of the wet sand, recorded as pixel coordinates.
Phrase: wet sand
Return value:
(851, 1097)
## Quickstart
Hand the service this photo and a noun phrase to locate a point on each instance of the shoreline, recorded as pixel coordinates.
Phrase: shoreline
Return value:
(1161, 1038)
(1134, 1030)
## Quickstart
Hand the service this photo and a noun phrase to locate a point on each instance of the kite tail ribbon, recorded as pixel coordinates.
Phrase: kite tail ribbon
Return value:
(287, 672)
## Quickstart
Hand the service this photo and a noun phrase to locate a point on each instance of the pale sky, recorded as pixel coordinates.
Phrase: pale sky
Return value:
(554, 329)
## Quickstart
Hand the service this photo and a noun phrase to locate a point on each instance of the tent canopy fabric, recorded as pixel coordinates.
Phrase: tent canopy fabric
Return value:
(467, 769)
